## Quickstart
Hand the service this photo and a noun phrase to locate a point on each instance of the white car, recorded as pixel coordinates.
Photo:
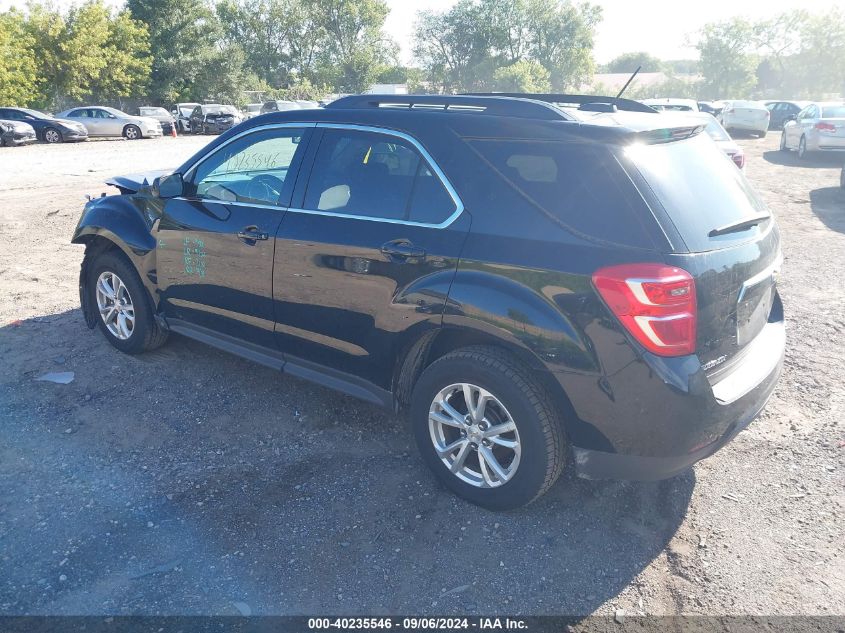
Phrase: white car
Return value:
(182, 113)
(747, 116)
(715, 131)
(105, 121)
(252, 110)
(820, 127)
(676, 105)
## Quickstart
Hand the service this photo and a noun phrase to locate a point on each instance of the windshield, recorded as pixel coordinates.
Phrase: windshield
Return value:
(154, 112)
(186, 110)
(700, 189)
(833, 112)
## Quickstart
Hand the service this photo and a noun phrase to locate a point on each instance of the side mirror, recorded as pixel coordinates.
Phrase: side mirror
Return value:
(169, 186)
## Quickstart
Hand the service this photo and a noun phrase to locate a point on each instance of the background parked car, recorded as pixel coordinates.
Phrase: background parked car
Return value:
(781, 111)
(820, 127)
(713, 108)
(307, 105)
(715, 131)
(159, 114)
(214, 118)
(682, 105)
(182, 113)
(14, 133)
(47, 127)
(105, 121)
(279, 106)
(748, 116)
(251, 110)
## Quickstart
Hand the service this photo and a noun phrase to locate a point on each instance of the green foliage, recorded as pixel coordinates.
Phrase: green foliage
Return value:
(89, 53)
(182, 37)
(727, 59)
(522, 76)
(628, 63)
(463, 48)
(19, 78)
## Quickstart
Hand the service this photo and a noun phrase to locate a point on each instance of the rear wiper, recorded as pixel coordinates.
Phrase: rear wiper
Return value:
(739, 226)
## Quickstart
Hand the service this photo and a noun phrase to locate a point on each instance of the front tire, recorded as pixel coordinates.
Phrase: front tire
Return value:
(487, 429)
(783, 146)
(132, 132)
(52, 135)
(124, 310)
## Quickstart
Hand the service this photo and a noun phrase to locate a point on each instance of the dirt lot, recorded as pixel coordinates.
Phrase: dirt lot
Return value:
(188, 481)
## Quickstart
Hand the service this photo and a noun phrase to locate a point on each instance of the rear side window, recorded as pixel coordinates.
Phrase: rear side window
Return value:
(700, 188)
(833, 112)
(375, 175)
(579, 186)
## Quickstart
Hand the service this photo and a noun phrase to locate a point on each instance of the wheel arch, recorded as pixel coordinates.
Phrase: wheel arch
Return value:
(114, 223)
(432, 345)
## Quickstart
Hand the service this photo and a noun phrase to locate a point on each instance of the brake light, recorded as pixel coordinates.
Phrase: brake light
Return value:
(825, 127)
(654, 302)
(739, 159)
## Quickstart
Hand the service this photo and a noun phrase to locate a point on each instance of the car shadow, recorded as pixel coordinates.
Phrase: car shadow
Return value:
(188, 481)
(811, 160)
(828, 203)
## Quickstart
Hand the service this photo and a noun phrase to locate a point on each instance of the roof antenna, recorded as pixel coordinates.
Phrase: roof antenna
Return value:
(627, 83)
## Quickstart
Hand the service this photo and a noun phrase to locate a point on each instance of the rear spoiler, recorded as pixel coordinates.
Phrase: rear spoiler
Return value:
(583, 102)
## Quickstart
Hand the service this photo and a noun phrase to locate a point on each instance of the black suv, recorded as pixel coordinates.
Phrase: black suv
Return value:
(529, 278)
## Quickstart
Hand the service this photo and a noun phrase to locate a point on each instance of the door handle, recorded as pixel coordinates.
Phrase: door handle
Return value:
(251, 234)
(402, 250)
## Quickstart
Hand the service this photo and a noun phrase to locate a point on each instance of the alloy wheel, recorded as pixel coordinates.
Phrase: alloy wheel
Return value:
(115, 306)
(52, 136)
(474, 435)
(132, 133)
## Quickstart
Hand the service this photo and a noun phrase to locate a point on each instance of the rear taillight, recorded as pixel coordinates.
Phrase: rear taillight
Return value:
(739, 159)
(654, 302)
(825, 127)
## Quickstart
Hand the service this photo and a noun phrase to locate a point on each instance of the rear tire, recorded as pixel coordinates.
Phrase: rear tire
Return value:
(525, 462)
(802, 148)
(783, 146)
(145, 333)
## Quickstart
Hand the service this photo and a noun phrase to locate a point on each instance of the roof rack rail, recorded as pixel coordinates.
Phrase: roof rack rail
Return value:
(501, 105)
(580, 100)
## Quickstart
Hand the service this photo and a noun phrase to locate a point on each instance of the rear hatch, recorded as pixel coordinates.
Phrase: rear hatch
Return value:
(721, 232)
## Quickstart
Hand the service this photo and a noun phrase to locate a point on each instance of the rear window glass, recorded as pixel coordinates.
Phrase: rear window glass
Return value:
(700, 188)
(581, 187)
(833, 112)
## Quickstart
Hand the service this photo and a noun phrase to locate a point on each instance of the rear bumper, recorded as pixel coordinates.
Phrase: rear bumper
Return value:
(664, 415)
(819, 142)
(761, 126)
(592, 464)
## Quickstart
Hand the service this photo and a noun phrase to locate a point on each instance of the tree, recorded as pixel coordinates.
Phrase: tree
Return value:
(182, 37)
(727, 62)
(821, 57)
(357, 49)
(19, 78)
(126, 50)
(522, 76)
(461, 49)
(628, 62)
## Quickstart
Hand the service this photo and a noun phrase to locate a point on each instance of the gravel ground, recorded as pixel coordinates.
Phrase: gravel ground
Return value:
(188, 481)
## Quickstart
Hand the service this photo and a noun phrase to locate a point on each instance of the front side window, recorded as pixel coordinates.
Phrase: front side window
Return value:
(375, 175)
(253, 169)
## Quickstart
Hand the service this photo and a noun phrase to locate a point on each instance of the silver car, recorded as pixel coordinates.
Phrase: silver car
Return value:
(820, 127)
(105, 121)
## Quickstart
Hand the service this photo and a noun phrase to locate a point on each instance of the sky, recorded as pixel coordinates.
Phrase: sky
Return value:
(664, 28)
